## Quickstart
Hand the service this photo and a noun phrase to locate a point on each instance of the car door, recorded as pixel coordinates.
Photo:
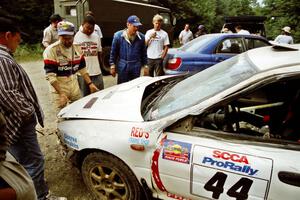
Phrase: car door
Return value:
(195, 166)
(227, 48)
(202, 157)
(252, 43)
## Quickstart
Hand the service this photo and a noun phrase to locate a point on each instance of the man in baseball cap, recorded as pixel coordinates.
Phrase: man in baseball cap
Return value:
(63, 60)
(65, 28)
(134, 20)
(201, 31)
(66, 31)
(285, 36)
(128, 52)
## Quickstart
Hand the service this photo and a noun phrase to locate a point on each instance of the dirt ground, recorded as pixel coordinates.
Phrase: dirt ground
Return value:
(63, 179)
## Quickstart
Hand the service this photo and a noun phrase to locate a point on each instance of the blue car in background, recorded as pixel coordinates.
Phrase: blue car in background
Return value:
(208, 50)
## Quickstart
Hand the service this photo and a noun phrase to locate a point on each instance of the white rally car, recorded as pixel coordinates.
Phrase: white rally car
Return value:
(228, 132)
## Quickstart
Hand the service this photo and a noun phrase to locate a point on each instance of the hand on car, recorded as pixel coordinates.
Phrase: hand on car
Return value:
(63, 100)
(93, 88)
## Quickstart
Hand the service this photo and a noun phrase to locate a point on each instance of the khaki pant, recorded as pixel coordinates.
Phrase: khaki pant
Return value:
(70, 87)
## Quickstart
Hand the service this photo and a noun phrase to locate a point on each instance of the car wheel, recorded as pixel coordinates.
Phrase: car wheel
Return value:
(107, 177)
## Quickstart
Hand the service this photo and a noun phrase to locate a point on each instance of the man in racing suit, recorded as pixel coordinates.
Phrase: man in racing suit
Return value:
(128, 52)
(62, 61)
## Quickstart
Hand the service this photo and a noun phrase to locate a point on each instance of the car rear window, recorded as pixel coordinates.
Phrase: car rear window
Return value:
(197, 43)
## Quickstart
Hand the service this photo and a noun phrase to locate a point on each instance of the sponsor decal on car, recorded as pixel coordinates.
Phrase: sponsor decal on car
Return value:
(174, 196)
(71, 141)
(177, 151)
(221, 174)
(231, 161)
(139, 136)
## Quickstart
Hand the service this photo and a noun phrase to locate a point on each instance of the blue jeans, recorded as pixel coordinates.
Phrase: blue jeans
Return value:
(97, 80)
(28, 153)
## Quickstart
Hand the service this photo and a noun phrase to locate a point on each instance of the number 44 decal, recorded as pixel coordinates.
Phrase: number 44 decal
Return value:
(239, 190)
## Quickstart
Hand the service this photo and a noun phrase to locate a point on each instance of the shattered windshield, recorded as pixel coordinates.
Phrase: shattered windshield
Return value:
(203, 85)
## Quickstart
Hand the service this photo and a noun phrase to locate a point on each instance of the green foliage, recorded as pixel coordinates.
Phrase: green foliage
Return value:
(282, 13)
(33, 16)
(29, 52)
(210, 13)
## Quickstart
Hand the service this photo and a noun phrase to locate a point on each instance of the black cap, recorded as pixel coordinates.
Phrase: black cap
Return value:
(7, 24)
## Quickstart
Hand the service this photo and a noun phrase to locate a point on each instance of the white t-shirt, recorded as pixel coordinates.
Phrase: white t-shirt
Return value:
(185, 36)
(156, 45)
(90, 46)
(285, 39)
(244, 32)
(97, 30)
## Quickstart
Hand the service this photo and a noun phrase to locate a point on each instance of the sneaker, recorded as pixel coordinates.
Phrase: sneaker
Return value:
(52, 197)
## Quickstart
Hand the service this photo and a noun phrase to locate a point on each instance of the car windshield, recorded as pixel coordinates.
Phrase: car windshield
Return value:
(203, 85)
(197, 43)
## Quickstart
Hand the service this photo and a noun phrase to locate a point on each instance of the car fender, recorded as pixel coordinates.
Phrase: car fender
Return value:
(93, 134)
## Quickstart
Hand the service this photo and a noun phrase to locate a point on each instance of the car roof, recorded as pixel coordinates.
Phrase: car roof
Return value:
(223, 35)
(214, 38)
(275, 56)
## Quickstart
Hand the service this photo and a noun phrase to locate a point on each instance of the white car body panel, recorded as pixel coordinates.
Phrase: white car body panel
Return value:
(111, 137)
(114, 122)
(258, 162)
(120, 102)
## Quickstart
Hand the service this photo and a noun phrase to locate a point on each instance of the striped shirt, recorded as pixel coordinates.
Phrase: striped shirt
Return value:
(18, 99)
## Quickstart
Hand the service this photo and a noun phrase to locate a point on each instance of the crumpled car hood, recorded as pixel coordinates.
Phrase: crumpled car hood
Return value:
(120, 102)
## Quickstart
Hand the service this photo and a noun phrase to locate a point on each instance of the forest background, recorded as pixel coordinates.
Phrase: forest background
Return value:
(34, 15)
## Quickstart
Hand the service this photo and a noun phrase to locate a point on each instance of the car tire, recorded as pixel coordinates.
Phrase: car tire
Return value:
(107, 177)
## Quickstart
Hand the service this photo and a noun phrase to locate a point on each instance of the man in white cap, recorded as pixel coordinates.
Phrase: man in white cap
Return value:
(62, 61)
(285, 36)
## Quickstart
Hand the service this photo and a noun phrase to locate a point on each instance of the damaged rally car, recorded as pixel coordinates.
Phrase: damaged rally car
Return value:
(228, 132)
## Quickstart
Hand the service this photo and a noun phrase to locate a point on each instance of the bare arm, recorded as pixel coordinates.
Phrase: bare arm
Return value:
(89, 82)
(165, 51)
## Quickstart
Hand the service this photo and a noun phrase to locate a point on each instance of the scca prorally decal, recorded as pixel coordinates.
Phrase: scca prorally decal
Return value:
(230, 161)
(177, 151)
(139, 136)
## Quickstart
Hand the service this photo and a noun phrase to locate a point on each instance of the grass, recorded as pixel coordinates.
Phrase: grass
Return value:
(29, 52)
(33, 52)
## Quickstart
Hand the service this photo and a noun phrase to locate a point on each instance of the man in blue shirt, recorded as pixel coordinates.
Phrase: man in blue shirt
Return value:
(128, 52)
